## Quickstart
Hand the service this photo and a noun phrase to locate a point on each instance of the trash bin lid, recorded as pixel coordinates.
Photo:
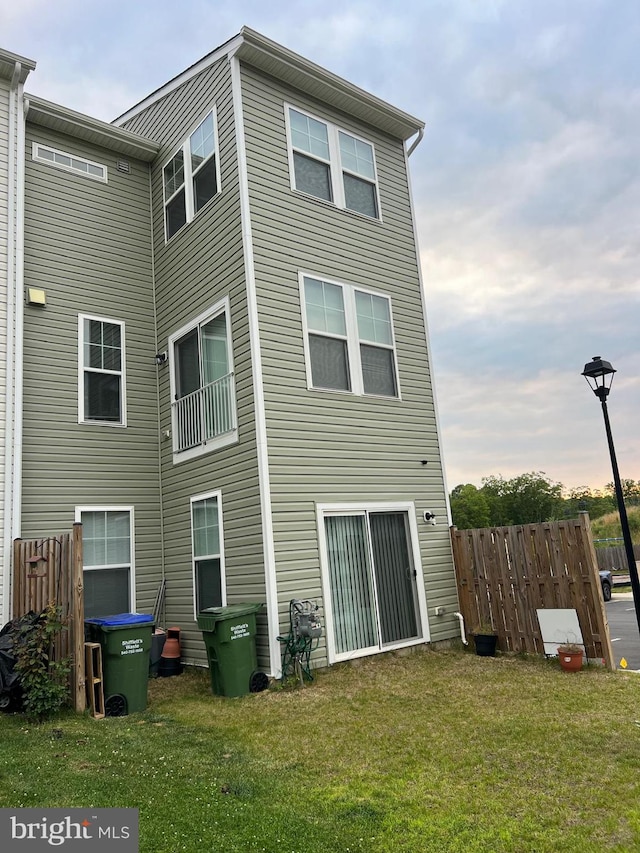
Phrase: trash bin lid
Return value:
(231, 611)
(122, 619)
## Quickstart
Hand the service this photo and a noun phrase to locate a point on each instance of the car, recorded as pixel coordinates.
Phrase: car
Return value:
(606, 579)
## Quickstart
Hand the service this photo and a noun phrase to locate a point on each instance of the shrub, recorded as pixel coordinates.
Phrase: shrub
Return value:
(42, 678)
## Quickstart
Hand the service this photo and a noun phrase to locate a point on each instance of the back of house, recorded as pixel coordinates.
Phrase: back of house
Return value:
(225, 368)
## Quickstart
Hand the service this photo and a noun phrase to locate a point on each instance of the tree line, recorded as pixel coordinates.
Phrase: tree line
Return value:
(531, 498)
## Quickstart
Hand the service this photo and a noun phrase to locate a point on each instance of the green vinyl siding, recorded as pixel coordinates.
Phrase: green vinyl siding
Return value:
(88, 246)
(330, 446)
(200, 265)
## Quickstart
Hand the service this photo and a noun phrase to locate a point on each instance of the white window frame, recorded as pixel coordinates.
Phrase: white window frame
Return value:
(408, 507)
(227, 438)
(82, 419)
(185, 147)
(78, 165)
(336, 168)
(132, 551)
(223, 577)
(353, 340)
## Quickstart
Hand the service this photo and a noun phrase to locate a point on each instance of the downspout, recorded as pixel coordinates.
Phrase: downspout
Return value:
(8, 436)
(23, 109)
(426, 322)
(264, 483)
(416, 142)
(430, 361)
(158, 398)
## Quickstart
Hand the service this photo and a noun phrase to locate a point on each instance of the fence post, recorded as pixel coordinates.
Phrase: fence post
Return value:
(78, 675)
(598, 609)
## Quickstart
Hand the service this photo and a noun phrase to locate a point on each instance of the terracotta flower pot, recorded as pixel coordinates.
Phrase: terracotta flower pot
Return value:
(570, 661)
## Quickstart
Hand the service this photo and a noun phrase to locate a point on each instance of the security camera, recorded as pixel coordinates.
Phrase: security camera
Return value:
(429, 516)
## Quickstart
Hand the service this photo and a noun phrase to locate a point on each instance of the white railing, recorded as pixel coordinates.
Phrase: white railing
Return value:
(204, 414)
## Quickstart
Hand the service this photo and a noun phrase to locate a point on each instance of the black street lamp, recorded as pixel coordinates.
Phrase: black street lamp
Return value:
(599, 375)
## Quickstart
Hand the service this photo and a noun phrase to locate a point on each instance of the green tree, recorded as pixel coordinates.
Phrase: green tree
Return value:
(630, 491)
(583, 499)
(469, 507)
(525, 499)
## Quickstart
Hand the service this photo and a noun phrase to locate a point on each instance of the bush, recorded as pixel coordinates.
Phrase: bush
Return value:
(42, 678)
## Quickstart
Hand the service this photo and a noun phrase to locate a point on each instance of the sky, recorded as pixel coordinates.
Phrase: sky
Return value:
(526, 186)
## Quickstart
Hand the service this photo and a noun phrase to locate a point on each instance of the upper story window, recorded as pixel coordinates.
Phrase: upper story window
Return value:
(331, 164)
(69, 162)
(191, 178)
(101, 371)
(202, 384)
(349, 338)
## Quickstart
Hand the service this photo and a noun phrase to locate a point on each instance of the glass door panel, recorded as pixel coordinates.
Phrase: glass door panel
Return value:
(395, 576)
(352, 595)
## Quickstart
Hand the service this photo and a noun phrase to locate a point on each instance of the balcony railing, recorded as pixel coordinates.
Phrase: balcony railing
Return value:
(204, 414)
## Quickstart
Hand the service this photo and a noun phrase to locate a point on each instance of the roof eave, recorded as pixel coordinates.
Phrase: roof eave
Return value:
(219, 53)
(10, 61)
(272, 58)
(80, 126)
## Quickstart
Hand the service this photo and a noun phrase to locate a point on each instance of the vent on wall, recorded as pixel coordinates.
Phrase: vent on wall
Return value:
(123, 166)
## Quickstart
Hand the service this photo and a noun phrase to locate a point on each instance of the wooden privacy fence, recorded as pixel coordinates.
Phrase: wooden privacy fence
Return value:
(50, 570)
(615, 557)
(505, 574)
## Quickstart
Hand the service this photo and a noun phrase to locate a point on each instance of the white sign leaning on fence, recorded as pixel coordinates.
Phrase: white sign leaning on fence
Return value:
(558, 627)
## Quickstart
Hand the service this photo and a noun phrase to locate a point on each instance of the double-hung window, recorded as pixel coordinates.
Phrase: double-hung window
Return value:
(203, 390)
(191, 178)
(207, 550)
(349, 338)
(331, 164)
(101, 369)
(107, 544)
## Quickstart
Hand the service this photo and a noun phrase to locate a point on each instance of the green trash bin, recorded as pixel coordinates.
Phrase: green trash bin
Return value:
(229, 634)
(125, 640)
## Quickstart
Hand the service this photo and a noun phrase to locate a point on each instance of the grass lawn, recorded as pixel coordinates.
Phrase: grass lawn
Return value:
(436, 751)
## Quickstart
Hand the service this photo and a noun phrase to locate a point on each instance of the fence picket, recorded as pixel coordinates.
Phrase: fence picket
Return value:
(53, 577)
(506, 574)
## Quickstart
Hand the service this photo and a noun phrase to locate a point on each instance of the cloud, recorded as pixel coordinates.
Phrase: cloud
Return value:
(527, 185)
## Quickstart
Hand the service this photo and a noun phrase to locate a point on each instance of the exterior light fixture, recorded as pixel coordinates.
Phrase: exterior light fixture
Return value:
(599, 375)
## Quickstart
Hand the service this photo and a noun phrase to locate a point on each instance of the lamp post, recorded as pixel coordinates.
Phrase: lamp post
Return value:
(599, 376)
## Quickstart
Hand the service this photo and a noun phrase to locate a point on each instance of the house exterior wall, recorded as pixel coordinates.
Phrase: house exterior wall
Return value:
(4, 285)
(199, 265)
(88, 246)
(100, 249)
(329, 447)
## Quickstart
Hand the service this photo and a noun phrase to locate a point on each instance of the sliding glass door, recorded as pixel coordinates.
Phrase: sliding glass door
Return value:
(372, 579)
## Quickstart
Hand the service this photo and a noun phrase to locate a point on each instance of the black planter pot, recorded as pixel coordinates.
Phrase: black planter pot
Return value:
(486, 645)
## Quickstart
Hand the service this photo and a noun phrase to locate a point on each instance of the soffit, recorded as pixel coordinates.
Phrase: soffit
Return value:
(8, 62)
(295, 70)
(271, 58)
(89, 129)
